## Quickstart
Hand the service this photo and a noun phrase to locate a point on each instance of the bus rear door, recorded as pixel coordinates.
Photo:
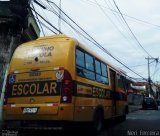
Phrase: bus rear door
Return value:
(113, 86)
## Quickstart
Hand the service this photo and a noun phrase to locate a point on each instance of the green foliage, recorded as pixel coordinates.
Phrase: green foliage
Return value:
(144, 92)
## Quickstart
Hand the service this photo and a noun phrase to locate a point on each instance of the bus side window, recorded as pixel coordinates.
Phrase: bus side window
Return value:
(91, 68)
(85, 65)
(101, 72)
(80, 58)
(104, 73)
(80, 62)
(122, 82)
(80, 71)
(89, 63)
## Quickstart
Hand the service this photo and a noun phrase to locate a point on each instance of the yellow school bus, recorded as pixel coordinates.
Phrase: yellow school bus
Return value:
(58, 79)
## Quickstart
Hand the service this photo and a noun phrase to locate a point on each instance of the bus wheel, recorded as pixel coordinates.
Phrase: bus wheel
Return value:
(98, 121)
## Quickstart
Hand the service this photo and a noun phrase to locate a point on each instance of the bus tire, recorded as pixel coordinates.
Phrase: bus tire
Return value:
(98, 121)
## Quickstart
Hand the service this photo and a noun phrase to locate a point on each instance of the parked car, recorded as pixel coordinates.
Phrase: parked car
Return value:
(149, 103)
(158, 102)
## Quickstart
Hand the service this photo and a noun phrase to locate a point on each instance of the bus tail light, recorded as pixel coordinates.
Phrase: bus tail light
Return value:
(6, 90)
(66, 95)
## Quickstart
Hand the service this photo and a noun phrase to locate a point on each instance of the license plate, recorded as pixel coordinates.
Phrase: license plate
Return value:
(30, 110)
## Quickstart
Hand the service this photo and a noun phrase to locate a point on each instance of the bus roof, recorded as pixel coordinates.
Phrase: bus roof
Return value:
(65, 37)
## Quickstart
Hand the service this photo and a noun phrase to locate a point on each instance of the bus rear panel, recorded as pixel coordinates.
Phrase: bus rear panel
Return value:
(40, 85)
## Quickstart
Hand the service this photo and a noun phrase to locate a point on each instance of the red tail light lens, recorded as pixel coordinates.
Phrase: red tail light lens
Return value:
(66, 96)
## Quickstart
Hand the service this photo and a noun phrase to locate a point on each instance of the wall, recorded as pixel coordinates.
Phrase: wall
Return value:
(135, 99)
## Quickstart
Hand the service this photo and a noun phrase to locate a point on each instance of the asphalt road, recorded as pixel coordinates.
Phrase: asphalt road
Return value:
(138, 123)
(142, 122)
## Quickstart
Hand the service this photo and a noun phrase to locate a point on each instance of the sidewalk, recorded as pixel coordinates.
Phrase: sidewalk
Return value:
(133, 108)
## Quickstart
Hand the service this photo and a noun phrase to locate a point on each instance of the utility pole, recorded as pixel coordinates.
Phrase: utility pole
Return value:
(149, 78)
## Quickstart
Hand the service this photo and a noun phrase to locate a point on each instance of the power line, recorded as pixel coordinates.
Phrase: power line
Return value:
(48, 28)
(38, 20)
(57, 14)
(95, 42)
(45, 16)
(72, 22)
(92, 39)
(59, 22)
(155, 69)
(137, 65)
(130, 29)
(139, 20)
(113, 21)
(149, 77)
(46, 20)
(39, 4)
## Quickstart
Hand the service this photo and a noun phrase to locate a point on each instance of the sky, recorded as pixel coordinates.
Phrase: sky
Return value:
(101, 19)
